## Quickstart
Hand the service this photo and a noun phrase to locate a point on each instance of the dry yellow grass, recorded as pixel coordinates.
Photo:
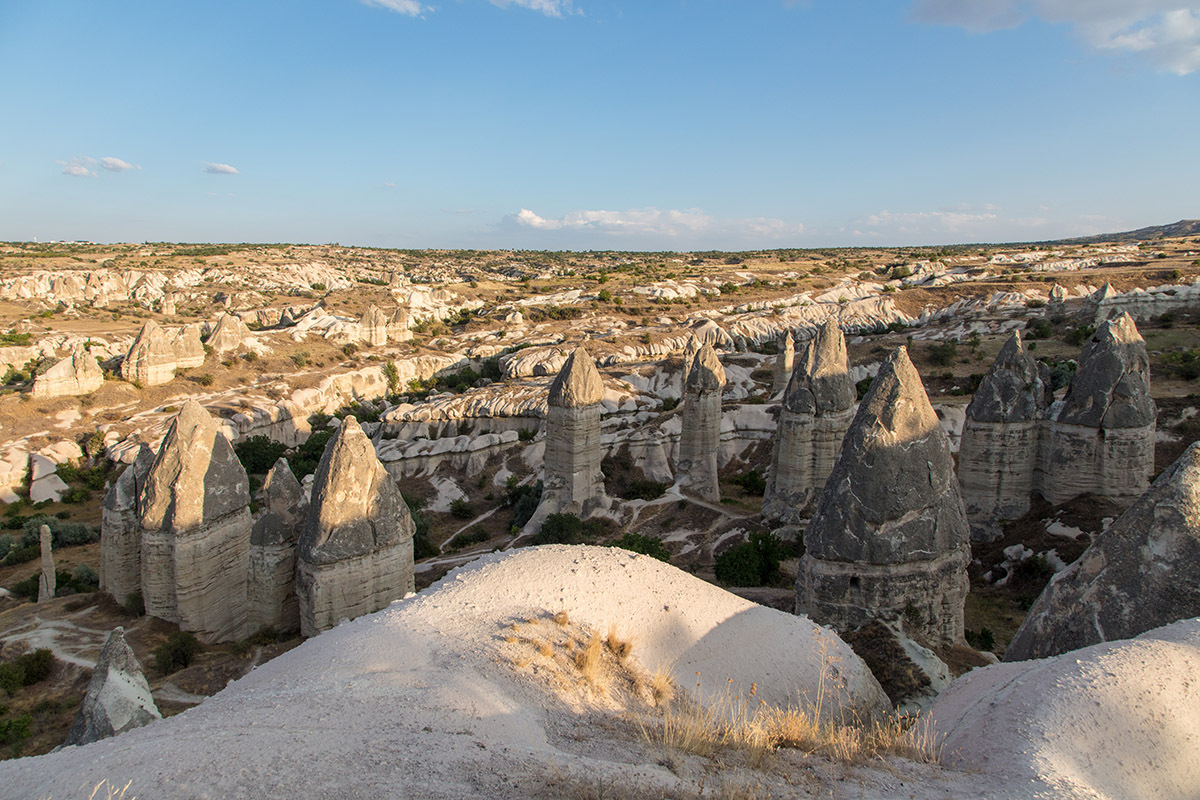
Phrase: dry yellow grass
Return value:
(623, 648)
(589, 660)
(561, 618)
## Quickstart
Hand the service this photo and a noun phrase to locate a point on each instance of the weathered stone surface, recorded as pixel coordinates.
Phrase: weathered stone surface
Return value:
(121, 530)
(73, 376)
(784, 364)
(117, 698)
(374, 327)
(577, 383)
(168, 304)
(999, 449)
(46, 578)
(151, 358)
(889, 539)
(1102, 438)
(272, 590)
(355, 551)
(1140, 573)
(818, 407)
(228, 334)
(189, 352)
(399, 326)
(196, 530)
(699, 441)
(689, 357)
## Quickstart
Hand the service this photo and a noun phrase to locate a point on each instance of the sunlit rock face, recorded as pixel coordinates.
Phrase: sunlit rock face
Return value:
(75, 375)
(373, 328)
(573, 482)
(271, 591)
(700, 439)
(151, 359)
(1140, 573)
(355, 553)
(189, 351)
(228, 334)
(196, 524)
(889, 539)
(121, 530)
(1102, 438)
(999, 450)
(784, 364)
(818, 407)
(117, 699)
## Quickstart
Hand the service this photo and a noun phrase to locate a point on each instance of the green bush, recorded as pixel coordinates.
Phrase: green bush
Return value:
(1078, 335)
(862, 386)
(983, 639)
(62, 533)
(26, 670)
(176, 652)
(461, 509)
(259, 453)
(647, 545)
(752, 563)
(752, 482)
(16, 730)
(943, 354)
(670, 403)
(1038, 329)
(567, 529)
(524, 500)
(476, 535)
(526, 434)
(308, 455)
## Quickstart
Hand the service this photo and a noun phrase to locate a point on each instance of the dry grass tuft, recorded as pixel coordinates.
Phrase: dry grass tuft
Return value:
(107, 791)
(561, 618)
(545, 650)
(590, 662)
(623, 648)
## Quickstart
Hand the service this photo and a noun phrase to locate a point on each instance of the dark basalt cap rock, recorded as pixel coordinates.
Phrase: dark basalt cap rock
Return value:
(1012, 390)
(707, 374)
(356, 507)
(893, 495)
(577, 383)
(821, 382)
(1112, 387)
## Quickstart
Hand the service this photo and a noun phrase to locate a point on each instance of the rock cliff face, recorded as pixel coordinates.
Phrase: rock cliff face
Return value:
(373, 328)
(272, 585)
(573, 482)
(196, 530)
(355, 553)
(1140, 573)
(699, 442)
(1102, 438)
(73, 376)
(784, 364)
(818, 407)
(999, 450)
(121, 530)
(889, 539)
(117, 699)
(151, 359)
(228, 334)
(189, 352)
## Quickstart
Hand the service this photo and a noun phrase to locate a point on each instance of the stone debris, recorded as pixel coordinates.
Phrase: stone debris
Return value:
(355, 554)
(1000, 446)
(121, 531)
(699, 441)
(271, 591)
(818, 407)
(888, 540)
(76, 375)
(47, 577)
(118, 698)
(1141, 572)
(196, 530)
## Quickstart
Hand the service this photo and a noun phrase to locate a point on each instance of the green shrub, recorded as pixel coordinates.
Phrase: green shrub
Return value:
(308, 455)
(524, 500)
(983, 639)
(259, 453)
(647, 545)
(567, 529)
(460, 508)
(62, 533)
(1038, 329)
(1078, 335)
(476, 535)
(642, 489)
(752, 482)
(944, 353)
(16, 730)
(526, 434)
(752, 563)
(670, 403)
(26, 670)
(862, 386)
(176, 652)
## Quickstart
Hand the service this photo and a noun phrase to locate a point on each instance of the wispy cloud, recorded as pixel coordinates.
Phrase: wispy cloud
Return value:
(653, 223)
(949, 221)
(117, 164)
(219, 169)
(79, 167)
(409, 7)
(551, 8)
(1167, 32)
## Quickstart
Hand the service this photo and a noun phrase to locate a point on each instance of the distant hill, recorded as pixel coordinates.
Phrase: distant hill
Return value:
(1185, 227)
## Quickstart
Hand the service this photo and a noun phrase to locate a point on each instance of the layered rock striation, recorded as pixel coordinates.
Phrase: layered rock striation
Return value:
(47, 577)
(785, 362)
(355, 553)
(818, 407)
(889, 540)
(700, 439)
(271, 592)
(1140, 573)
(151, 358)
(196, 525)
(121, 531)
(76, 375)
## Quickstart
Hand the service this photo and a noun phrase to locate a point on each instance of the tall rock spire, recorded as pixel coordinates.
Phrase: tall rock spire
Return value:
(700, 439)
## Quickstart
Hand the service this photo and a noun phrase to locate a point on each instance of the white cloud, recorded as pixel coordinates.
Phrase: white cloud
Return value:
(551, 8)
(79, 167)
(410, 7)
(653, 222)
(1167, 32)
(950, 221)
(116, 164)
(219, 169)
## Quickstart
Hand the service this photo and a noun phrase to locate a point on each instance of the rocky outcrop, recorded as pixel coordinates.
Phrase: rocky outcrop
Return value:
(999, 449)
(151, 359)
(888, 540)
(700, 439)
(189, 351)
(168, 304)
(818, 406)
(196, 530)
(1102, 438)
(73, 376)
(784, 364)
(399, 326)
(121, 531)
(373, 327)
(117, 699)
(228, 334)
(573, 482)
(271, 592)
(355, 554)
(1140, 573)
(689, 357)
(47, 577)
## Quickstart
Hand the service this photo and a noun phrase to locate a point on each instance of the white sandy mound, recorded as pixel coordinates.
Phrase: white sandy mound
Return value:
(1117, 720)
(420, 699)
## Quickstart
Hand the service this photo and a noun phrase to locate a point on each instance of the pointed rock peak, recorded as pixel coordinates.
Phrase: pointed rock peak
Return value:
(896, 405)
(1104, 292)
(281, 490)
(1058, 293)
(692, 347)
(1012, 353)
(117, 654)
(117, 698)
(578, 383)
(828, 351)
(707, 374)
(1013, 390)
(192, 416)
(1120, 330)
(789, 342)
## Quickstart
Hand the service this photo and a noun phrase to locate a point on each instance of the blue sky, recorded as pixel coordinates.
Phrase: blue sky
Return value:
(597, 124)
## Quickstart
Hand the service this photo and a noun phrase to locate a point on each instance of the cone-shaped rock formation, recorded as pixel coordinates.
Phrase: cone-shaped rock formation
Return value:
(121, 531)
(700, 439)
(373, 328)
(73, 376)
(151, 358)
(118, 697)
(228, 334)
(46, 578)
(785, 362)
(272, 590)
